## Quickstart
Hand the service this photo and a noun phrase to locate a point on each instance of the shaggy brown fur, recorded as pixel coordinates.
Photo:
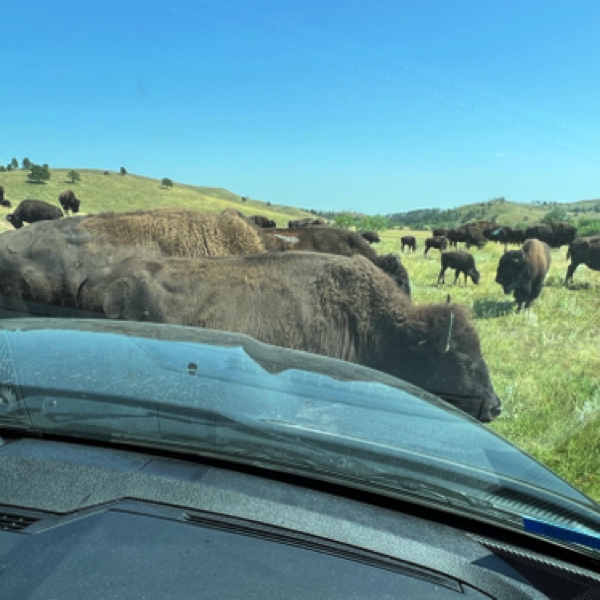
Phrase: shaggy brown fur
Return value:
(330, 240)
(585, 251)
(308, 222)
(176, 232)
(524, 271)
(331, 305)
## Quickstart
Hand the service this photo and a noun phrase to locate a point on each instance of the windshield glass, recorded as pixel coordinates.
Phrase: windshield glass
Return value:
(408, 188)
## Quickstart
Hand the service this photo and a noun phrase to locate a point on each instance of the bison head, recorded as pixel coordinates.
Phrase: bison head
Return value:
(443, 356)
(511, 270)
(14, 221)
(395, 269)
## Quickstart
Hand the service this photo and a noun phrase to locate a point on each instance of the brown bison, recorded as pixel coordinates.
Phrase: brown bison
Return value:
(4, 201)
(554, 234)
(524, 271)
(440, 232)
(461, 262)
(336, 306)
(30, 211)
(585, 250)
(50, 259)
(410, 241)
(331, 240)
(457, 234)
(371, 236)
(263, 222)
(308, 222)
(69, 202)
(441, 243)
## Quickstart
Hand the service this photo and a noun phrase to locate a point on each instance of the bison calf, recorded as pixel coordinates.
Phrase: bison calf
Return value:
(410, 241)
(441, 243)
(524, 271)
(30, 211)
(461, 262)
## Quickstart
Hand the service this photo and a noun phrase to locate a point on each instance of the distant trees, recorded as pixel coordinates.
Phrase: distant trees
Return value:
(123, 171)
(167, 183)
(74, 176)
(557, 214)
(343, 221)
(14, 163)
(26, 164)
(38, 173)
(375, 223)
(245, 198)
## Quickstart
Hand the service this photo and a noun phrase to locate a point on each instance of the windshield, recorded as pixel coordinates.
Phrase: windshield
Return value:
(409, 189)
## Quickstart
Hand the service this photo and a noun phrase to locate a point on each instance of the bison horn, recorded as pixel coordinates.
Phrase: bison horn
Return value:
(445, 346)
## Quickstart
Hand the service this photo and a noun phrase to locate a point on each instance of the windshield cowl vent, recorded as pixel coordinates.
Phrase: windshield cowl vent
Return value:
(15, 522)
(553, 578)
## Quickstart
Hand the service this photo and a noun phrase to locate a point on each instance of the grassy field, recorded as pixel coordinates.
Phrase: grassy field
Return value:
(544, 362)
(115, 192)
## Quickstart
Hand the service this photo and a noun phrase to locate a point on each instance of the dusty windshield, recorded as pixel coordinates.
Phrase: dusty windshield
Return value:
(410, 188)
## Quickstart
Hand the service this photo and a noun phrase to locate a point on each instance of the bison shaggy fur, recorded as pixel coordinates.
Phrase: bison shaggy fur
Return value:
(524, 271)
(341, 307)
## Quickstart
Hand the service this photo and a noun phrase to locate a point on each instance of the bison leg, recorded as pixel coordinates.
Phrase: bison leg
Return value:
(570, 271)
(442, 275)
(456, 275)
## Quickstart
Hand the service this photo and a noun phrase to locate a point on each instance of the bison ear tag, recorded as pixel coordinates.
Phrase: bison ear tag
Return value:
(115, 299)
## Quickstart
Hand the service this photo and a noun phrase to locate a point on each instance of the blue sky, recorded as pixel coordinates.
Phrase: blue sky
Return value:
(371, 106)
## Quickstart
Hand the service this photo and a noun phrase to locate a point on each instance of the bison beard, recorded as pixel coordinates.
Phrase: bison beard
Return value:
(330, 305)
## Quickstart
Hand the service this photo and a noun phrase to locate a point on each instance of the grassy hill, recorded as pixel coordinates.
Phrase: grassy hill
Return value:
(500, 210)
(115, 192)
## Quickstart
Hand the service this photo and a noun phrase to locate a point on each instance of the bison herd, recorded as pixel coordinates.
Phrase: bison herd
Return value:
(31, 211)
(521, 272)
(313, 288)
(309, 286)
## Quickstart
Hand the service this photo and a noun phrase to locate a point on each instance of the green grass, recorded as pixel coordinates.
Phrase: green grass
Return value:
(115, 192)
(544, 363)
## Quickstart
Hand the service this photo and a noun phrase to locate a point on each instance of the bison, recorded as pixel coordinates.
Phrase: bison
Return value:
(461, 262)
(336, 306)
(524, 271)
(50, 259)
(371, 236)
(441, 243)
(4, 201)
(331, 240)
(262, 221)
(455, 235)
(585, 250)
(308, 222)
(30, 211)
(554, 234)
(69, 202)
(440, 232)
(410, 241)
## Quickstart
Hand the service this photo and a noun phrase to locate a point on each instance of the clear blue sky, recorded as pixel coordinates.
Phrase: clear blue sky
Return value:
(375, 106)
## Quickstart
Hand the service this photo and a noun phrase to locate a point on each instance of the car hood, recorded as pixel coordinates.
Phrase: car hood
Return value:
(228, 396)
